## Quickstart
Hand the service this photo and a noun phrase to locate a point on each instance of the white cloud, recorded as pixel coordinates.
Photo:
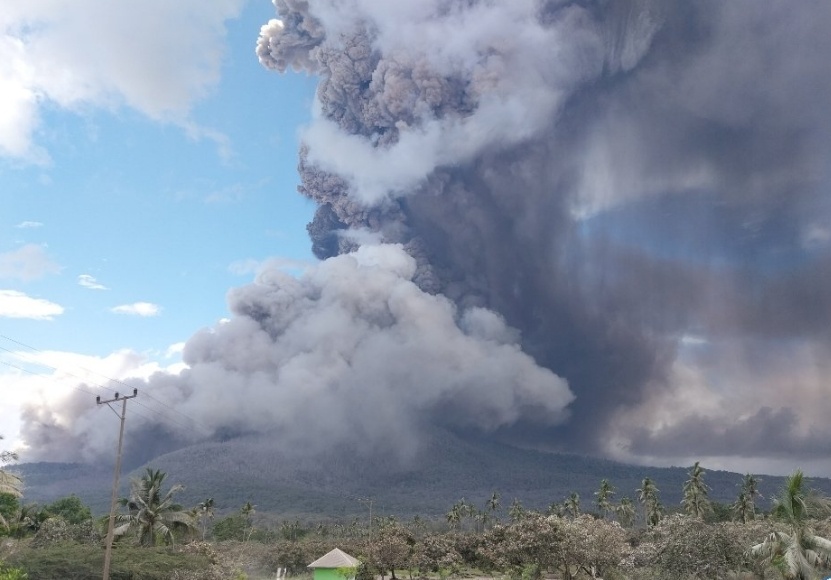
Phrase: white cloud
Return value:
(28, 225)
(90, 282)
(155, 56)
(14, 304)
(27, 263)
(138, 309)
(174, 350)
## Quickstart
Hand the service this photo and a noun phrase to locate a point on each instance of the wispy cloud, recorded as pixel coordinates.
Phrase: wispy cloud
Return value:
(90, 282)
(27, 263)
(29, 225)
(14, 304)
(138, 309)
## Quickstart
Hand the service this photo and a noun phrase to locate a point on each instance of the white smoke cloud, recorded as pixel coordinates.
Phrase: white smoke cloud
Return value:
(356, 349)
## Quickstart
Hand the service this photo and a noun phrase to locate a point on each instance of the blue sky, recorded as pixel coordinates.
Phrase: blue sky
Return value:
(124, 224)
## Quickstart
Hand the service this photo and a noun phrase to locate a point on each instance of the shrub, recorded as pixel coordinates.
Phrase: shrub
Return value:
(85, 562)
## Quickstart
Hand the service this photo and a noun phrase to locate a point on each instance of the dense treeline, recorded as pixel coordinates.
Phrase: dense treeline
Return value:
(606, 536)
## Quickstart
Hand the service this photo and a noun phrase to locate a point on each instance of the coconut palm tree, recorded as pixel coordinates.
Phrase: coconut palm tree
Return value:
(454, 516)
(695, 500)
(494, 503)
(603, 499)
(648, 497)
(248, 510)
(625, 511)
(516, 511)
(572, 505)
(205, 509)
(797, 552)
(745, 507)
(152, 511)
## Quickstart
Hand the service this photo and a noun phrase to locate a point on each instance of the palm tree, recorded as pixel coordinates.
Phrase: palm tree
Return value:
(695, 500)
(248, 510)
(572, 505)
(454, 516)
(604, 497)
(205, 509)
(745, 507)
(625, 511)
(494, 504)
(648, 497)
(797, 552)
(516, 512)
(153, 512)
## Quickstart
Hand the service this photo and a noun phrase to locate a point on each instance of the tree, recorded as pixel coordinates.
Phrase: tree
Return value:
(454, 516)
(516, 512)
(205, 511)
(625, 511)
(603, 498)
(744, 509)
(9, 483)
(9, 507)
(648, 497)
(527, 547)
(248, 510)
(391, 548)
(494, 503)
(70, 508)
(572, 505)
(687, 547)
(590, 545)
(795, 550)
(153, 512)
(695, 500)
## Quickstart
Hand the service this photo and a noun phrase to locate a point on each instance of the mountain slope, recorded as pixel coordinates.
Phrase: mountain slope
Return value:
(446, 469)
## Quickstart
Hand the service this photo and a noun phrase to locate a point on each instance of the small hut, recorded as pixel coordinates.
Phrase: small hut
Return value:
(336, 565)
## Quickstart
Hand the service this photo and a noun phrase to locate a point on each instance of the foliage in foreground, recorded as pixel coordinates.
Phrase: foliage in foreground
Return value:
(85, 562)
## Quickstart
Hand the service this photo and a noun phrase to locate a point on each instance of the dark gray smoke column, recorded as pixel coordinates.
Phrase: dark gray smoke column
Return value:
(640, 187)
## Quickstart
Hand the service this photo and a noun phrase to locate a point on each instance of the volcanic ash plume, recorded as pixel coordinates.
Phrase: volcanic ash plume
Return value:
(629, 197)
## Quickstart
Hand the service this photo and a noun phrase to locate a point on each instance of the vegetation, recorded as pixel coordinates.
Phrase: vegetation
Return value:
(152, 512)
(10, 484)
(795, 549)
(695, 500)
(568, 541)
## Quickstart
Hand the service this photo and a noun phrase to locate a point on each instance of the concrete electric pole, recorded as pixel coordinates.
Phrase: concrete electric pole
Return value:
(111, 526)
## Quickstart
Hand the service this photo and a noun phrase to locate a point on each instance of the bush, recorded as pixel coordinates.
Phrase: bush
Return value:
(7, 573)
(85, 562)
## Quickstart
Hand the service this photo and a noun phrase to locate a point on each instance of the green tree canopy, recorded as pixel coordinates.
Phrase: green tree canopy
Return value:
(153, 512)
(70, 508)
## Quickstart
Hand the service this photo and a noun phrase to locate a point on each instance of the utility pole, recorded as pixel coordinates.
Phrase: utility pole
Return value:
(369, 501)
(111, 526)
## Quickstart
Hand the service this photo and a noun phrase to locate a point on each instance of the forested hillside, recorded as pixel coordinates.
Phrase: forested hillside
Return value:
(445, 470)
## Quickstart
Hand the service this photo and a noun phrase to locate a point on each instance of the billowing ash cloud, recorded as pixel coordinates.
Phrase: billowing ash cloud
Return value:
(633, 192)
